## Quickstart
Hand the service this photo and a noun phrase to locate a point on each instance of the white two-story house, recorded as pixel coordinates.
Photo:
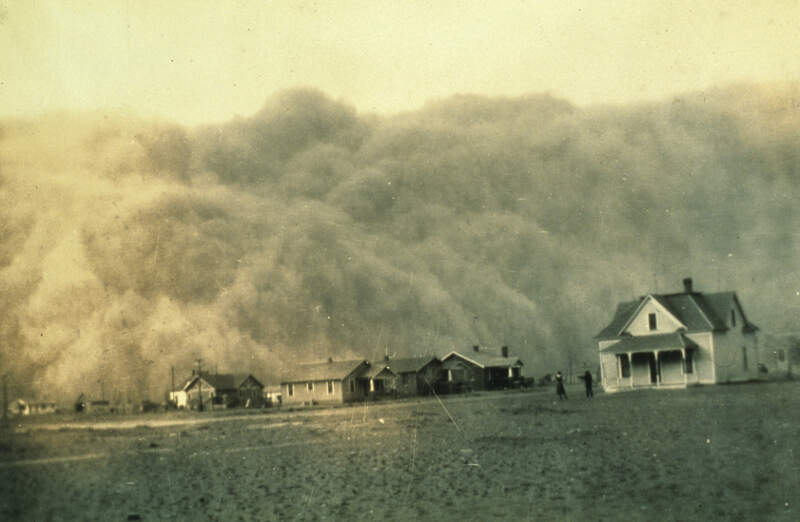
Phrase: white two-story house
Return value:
(676, 340)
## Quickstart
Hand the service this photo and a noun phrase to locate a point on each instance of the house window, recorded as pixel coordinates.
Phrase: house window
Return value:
(310, 386)
(291, 389)
(624, 366)
(652, 319)
(744, 357)
(781, 355)
(733, 317)
(330, 387)
(352, 386)
(688, 363)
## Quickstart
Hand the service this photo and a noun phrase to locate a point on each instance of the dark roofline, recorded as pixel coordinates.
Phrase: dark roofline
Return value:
(516, 360)
(700, 299)
(295, 375)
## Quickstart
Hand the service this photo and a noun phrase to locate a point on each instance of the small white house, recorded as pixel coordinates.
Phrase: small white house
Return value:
(179, 398)
(676, 340)
(325, 382)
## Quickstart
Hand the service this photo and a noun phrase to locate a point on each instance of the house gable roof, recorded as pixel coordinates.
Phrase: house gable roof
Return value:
(697, 312)
(620, 319)
(377, 370)
(241, 378)
(721, 304)
(661, 302)
(323, 371)
(218, 381)
(485, 360)
(411, 364)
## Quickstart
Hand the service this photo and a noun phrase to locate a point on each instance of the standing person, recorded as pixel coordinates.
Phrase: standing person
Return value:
(587, 380)
(562, 393)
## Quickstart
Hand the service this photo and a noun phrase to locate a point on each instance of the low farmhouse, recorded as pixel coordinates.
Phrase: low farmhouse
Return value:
(29, 407)
(481, 369)
(325, 382)
(228, 390)
(675, 340)
(416, 375)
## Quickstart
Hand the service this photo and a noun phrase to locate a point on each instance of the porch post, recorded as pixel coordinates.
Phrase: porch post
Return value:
(630, 364)
(658, 369)
(683, 360)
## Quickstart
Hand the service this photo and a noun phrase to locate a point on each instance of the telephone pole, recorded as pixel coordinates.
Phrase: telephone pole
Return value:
(5, 399)
(200, 383)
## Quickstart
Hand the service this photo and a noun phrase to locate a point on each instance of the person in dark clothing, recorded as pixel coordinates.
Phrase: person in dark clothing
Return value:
(587, 380)
(562, 393)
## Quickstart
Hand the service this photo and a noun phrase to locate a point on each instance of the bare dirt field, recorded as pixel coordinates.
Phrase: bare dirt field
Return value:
(710, 453)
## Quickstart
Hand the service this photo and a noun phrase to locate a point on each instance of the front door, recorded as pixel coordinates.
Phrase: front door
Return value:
(644, 369)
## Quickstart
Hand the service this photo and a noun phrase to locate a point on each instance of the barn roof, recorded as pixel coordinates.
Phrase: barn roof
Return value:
(323, 371)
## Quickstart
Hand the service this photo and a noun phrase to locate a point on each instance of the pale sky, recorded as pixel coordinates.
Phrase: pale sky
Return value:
(206, 61)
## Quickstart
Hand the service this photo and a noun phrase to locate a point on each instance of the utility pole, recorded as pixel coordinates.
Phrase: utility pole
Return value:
(200, 383)
(172, 387)
(5, 399)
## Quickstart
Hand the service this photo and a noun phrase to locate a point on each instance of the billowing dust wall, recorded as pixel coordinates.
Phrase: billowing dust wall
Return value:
(307, 230)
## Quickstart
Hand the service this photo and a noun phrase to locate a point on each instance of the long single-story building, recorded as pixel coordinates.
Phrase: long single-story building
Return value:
(325, 382)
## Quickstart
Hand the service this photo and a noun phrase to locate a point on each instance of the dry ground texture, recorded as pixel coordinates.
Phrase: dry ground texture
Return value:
(710, 453)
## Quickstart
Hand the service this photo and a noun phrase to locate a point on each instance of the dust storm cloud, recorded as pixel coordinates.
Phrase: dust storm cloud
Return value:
(308, 230)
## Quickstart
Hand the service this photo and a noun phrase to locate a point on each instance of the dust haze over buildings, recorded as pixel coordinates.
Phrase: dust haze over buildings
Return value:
(308, 230)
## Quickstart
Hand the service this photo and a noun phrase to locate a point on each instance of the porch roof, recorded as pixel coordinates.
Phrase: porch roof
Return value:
(651, 343)
(377, 372)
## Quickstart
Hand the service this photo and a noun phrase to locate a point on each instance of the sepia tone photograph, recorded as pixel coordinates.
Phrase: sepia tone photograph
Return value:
(399, 260)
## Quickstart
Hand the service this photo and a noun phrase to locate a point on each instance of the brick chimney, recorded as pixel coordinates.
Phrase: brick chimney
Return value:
(687, 285)
(504, 351)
